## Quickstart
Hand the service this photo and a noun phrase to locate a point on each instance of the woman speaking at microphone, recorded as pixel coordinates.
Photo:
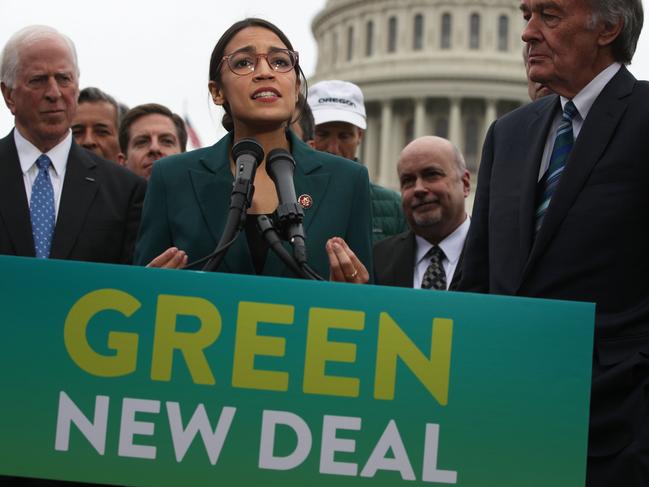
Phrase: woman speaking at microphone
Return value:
(255, 76)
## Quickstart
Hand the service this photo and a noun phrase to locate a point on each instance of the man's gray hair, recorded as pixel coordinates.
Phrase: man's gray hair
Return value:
(92, 94)
(10, 60)
(631, 14)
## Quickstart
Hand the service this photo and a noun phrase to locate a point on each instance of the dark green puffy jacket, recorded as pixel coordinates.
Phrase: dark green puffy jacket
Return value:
(387, 217)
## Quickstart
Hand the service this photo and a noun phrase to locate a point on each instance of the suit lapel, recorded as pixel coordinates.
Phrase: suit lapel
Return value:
(213, 187)
(599, 127)
(457, 275)
(79, 189)
(308, 180)
(540, 125)
(403, 264)
(14, 208)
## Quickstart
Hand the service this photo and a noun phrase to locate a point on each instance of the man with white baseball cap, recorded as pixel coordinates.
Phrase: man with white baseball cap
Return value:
(340, 121)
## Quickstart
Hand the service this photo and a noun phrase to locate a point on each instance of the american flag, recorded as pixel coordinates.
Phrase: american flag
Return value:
(192, 135)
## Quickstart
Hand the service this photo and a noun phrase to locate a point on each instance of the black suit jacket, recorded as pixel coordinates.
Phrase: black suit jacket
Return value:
(593, 246)
(99, 211)
(394, 261)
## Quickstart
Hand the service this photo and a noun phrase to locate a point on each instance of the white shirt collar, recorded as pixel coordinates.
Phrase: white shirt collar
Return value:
(586, 97)
(452, 245)
(28, 152)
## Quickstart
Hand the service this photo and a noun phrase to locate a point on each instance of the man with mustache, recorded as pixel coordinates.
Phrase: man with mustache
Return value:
(434, 183)
(57, 200)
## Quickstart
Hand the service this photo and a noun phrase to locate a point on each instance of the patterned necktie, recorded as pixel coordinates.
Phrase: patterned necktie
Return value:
(435, 277)
(41, 209)
(563, 143)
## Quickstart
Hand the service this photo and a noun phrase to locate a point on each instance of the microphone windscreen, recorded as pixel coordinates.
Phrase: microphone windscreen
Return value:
(248, 146)
(277, 155)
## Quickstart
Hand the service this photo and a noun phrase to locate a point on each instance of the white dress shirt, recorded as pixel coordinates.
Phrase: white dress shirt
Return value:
(28, 154)
(452, 246)
(583, 102)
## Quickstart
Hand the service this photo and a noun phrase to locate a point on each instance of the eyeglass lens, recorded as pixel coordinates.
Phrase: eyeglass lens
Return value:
(245, 62)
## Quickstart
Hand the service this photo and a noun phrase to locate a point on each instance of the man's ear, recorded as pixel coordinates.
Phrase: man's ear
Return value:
(360, 134)
(121, 159)
(217, 93)
(466, 183)
(6, 94)
(609, 32)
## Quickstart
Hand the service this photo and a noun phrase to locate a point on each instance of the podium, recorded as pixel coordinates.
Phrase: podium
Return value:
(150, 377)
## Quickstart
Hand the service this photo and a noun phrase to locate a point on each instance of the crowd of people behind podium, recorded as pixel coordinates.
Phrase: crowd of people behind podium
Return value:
(561, 208)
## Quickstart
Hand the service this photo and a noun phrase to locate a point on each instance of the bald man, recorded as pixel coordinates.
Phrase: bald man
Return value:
(434, 183)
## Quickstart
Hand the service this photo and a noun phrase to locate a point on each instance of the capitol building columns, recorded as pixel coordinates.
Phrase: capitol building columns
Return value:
(455, 122)
(426, 67)
(421, 127)
(386, 161)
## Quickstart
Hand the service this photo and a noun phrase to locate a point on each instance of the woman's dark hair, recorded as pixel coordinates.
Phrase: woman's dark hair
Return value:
(219, 51)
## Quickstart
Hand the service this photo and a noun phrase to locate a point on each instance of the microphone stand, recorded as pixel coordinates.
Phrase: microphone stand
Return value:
(247, 153)
(302, 270)
(266, 228)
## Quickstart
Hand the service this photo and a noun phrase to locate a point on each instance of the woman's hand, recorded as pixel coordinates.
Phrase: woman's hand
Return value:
(344, 266)
(172, 258)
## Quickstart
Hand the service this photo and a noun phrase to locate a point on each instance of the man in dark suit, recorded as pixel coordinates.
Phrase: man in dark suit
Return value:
(562, 208)
(434, 184)
(57, 199)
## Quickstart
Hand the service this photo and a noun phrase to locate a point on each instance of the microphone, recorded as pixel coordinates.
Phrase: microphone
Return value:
(280, 165)
(265, 227)
(247, 154)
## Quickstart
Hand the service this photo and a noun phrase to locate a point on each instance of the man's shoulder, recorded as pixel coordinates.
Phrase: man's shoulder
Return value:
(107, 170)
(336, 163)
(379, 192)
(388, 244)
(533, 109)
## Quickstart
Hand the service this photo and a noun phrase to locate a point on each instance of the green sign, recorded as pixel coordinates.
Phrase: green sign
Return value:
(133, 376)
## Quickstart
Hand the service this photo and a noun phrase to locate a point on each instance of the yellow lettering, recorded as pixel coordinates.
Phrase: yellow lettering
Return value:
(123, 362)
(433, 372)
(319, 351)
(248, 345)
(167, 338)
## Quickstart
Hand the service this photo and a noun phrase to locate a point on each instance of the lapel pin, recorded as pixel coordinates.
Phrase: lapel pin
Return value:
(305, 201)
(92, 180)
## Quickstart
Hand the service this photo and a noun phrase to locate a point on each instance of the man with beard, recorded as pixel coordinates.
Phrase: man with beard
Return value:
(148, 133)
(434, 183)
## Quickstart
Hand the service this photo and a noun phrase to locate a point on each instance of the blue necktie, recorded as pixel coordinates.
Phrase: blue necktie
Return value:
(563, 142)
(41, 209)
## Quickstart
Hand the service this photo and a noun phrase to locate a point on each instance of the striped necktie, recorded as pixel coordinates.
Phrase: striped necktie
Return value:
(41, 209)
(563, 142)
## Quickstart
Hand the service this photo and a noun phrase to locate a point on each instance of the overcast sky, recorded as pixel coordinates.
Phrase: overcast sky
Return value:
(144, 51)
